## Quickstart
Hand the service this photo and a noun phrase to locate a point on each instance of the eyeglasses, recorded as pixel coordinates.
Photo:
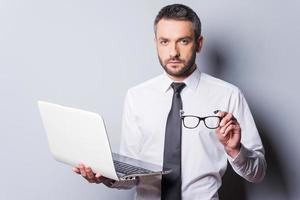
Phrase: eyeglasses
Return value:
(191, 121)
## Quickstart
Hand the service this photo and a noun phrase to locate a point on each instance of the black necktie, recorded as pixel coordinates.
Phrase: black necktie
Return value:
(171, 183)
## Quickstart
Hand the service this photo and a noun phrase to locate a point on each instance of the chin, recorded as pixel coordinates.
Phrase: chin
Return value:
(176, 73)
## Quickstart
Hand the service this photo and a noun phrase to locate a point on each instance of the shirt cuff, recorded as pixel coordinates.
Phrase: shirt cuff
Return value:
(124, 184)
(240, 158)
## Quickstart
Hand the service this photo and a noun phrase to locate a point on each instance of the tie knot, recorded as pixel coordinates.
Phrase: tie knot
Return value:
(177, 87)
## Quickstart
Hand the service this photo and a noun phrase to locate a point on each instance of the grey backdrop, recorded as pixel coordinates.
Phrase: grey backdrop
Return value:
(86, 54)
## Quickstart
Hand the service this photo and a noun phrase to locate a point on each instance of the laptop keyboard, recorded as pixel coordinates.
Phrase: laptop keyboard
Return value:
(128, 169)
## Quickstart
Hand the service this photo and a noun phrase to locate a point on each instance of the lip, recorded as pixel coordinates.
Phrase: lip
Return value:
(174, 62)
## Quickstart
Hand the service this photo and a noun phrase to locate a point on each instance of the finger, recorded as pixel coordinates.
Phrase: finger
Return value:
(89, 173)
(223, 132)
(223, 128)
(221, 113)
(90, 177)
(97, 175)
(76, 170)
(226, 119)
(82, 170)
(85, 170)
(229, 129)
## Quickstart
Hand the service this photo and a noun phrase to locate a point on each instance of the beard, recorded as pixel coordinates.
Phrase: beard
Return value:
(184, 71)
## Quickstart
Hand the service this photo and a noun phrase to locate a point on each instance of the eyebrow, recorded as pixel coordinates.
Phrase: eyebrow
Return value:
(185, 37)
(162, 38)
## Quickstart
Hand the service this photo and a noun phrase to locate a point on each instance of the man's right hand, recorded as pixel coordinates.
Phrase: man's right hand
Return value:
(87, 173)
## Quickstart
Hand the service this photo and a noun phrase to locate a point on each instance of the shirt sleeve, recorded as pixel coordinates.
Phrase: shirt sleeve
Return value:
(250, 162)
(130, 141)
(124, 184)
(131, 137)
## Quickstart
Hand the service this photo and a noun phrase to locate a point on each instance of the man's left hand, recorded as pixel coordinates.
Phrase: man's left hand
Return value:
(229, 133)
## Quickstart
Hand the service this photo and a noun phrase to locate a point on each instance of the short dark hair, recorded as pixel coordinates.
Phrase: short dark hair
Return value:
(179, 12)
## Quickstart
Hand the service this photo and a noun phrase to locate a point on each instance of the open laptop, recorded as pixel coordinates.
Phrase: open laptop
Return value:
(77, 136)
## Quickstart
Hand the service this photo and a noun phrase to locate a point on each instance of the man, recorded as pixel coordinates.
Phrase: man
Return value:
(198, 151)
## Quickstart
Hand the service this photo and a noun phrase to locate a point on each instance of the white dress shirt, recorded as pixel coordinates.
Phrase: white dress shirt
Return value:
(204, 159)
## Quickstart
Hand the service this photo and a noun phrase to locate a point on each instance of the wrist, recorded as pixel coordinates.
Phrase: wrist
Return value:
(233, 152)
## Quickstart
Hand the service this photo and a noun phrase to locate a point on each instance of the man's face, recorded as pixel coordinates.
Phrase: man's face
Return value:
(177, 47)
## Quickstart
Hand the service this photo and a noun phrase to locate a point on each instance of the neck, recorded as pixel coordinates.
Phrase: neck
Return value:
(182, 78)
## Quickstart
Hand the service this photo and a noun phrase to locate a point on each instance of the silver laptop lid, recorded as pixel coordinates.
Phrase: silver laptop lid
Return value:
(76, 136)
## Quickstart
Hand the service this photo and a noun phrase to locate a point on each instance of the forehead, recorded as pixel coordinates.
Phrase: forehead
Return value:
(169, 28)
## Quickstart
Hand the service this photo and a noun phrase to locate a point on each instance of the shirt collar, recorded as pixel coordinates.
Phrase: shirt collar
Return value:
(191, 81)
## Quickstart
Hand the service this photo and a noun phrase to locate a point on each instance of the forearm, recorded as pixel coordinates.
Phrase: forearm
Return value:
(249, 164)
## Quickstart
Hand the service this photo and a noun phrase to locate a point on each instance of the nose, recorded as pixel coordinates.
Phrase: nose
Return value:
(174, 52)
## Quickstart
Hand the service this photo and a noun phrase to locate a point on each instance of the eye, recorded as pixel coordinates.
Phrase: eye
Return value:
(184, 41)
(164, 42)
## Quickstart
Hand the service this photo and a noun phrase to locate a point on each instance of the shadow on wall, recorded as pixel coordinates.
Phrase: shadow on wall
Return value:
(275, 177)
(216, 60)
(219, 63)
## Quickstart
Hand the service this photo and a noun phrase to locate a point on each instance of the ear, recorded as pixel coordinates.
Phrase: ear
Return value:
(199, 43)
